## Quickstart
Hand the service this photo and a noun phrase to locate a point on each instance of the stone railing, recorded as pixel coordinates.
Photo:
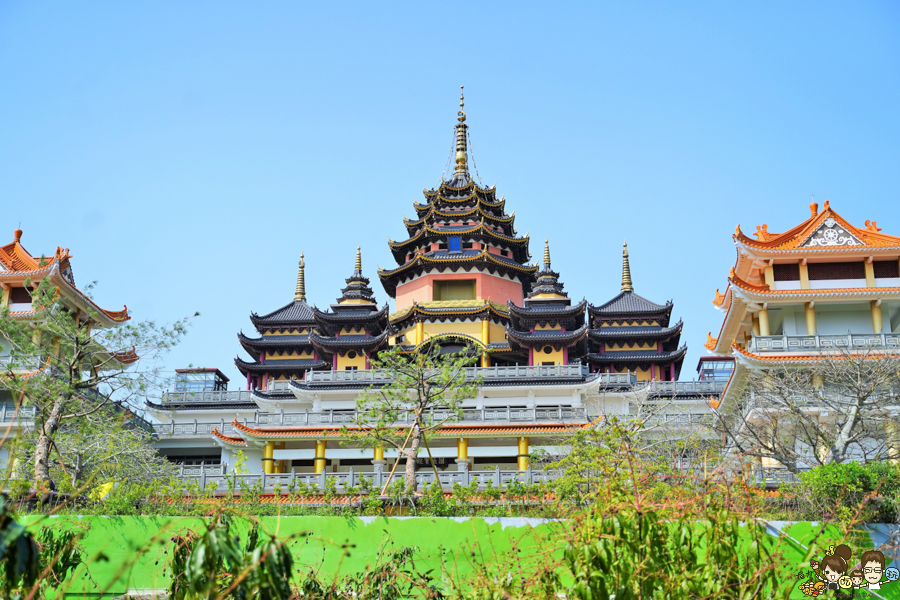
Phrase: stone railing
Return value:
(8, 413)
(772, 477)
(685, 387)
(217, 397)
(492, 374)
(681, 420)
(499, 414)
(496, 478)
(186, 471)
(825, 343)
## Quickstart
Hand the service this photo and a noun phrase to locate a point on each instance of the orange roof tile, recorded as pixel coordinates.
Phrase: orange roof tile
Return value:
(456, 430)
(800, 357)
(234, 441)
(799, 235)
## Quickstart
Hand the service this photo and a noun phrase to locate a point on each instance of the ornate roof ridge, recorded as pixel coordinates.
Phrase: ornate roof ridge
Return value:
(487, 231)
(643, 306)
(799, 235)
(484, 254)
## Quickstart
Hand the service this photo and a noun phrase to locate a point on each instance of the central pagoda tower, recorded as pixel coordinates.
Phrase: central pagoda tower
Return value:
(460, 265)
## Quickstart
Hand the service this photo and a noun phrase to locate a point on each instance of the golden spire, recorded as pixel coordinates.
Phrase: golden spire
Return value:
(626, 270)
(358, 266)
(546, 253)
(461, 150)
(300, 292)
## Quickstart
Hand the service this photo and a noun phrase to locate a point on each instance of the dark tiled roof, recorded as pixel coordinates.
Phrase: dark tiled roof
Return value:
(540, 338)
(640, 356)
(227, 406)
(629, 303)
(274, 340)
(636, 333)
(278, 366)
(296, 313)
(350, 341)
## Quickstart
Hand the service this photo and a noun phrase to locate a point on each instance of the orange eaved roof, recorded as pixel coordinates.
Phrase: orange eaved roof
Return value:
(870, 236)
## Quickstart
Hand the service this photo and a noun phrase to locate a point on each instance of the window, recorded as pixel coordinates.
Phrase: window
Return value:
(455, 245)
(351, 354)
(548, 364)
(548, 350)
(786, 272)
(841, 270)
(456, 289)
(19, 295)
(351, 368)
(399, 339)
(886, 268)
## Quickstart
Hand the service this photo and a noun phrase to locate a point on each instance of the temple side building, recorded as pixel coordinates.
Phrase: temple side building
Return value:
(821, 288)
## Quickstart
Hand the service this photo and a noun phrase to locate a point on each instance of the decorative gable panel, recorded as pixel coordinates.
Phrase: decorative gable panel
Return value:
(832, 233)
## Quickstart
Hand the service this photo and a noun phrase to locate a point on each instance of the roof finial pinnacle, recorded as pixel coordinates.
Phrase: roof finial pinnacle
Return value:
(626, 270)
(358, 266)
(461, 147)
(300, 292)
(547, 252)
(17, 234)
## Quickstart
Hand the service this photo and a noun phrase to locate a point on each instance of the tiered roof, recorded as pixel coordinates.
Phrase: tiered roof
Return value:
(355, 311)
(548, 306)
(612, 323)
(459, 208)
(18, 265)
(276, 330)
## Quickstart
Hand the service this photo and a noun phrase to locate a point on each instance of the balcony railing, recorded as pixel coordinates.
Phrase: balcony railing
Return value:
(8, 413)
(212, 397)
(485, 373)
(681, 420)
(825, 343)
(497, 478)
(773, 477)
(686, 387)
(501, 414)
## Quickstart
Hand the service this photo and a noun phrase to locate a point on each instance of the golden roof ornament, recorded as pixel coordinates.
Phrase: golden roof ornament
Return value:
(300, 291)
(358, 266)
(461, 149)
(547, 253)
(626, 270)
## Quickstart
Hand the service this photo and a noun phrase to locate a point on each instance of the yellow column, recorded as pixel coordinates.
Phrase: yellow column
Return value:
(764, 322)
(877, 322)
(804, 276)
(755, 325)
(870, 274)
(810, 318)
(893, 442)
(523, 453)
(485, 339)
(379, 453)
(462, 448)
(769, 277)
(36, 336)
(268, 451)
(279, 465)
(320, 456)
(4, 296)
(420, 332)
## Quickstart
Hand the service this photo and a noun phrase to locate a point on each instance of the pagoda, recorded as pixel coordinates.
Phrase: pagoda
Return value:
(459, 266)
(631, 333)
(355, 329)
(548, 327)
(284, 350)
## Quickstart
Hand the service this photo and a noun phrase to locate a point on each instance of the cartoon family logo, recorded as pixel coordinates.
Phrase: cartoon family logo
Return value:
(834, 572)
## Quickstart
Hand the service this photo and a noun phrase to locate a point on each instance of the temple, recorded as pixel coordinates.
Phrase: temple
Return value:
(632, 334)
(549, 366)
(822, 287)
(20, 274)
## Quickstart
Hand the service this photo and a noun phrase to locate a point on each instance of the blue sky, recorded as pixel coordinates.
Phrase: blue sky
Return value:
(187, 152)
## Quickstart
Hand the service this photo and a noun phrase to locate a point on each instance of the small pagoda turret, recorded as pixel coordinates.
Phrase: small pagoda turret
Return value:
(461, 263)
(548, 327)
(632, 334)
(284, 351)
(355, 329)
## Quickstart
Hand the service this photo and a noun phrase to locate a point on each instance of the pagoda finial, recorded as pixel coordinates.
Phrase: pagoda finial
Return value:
(300, 292)
(626, 270)
(358, 266)
(546, 252)
(461, 148)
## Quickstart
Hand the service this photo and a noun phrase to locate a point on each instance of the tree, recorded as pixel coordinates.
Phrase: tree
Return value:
(417, 384)
(106, 445)
(69, 369)
(840, 407)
